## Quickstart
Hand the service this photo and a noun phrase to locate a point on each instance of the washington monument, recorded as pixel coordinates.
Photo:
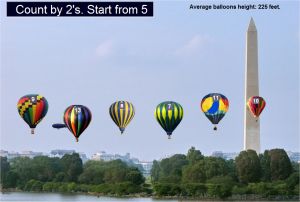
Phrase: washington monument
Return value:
(251, 125)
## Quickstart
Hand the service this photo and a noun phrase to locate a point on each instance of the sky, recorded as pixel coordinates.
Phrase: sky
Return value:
(179, 55)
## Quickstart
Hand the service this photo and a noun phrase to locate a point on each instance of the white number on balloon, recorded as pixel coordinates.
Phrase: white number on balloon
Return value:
(256, 100)
(77, 110)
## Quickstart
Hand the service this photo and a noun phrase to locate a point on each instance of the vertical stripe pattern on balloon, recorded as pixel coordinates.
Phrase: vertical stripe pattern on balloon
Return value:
(32, 108)
(169, 114)
(77, 118)
(122, 112)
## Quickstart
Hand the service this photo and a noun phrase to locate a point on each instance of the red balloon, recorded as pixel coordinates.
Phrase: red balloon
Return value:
(256, 105)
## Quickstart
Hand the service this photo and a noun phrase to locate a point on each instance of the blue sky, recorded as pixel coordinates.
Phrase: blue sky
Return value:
(178, 55)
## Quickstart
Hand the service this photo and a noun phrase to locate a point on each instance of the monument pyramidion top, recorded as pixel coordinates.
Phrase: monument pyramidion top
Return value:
(251, 27)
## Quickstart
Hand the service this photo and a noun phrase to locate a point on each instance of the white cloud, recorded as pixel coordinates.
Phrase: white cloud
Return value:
(194, 45)
(105, 49)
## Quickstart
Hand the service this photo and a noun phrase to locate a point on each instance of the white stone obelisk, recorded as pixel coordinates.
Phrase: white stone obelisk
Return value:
(251, 124)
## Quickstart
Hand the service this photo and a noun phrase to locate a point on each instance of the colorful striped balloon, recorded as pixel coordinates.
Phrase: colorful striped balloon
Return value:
(169, 114)
(215, 106)
(77, 118)
(256, 105)
(121, 112)
(32, 108)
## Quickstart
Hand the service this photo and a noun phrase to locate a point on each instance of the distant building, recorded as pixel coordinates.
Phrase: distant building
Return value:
(102, 155)
(226, 156)
(83, 157)
(3, 153)
(60, 152)
(147, 166)
(217, 154)
(230, 155)
(11, 155)
(31, 154)
(294, 156)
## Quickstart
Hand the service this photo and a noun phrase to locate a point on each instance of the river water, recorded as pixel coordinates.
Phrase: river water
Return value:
(45, 197)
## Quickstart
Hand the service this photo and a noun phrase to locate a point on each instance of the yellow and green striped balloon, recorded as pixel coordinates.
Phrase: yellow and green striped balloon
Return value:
(169, 114)
(121, 112)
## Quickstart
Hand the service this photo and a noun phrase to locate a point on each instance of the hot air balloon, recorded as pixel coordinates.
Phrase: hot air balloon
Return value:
(169, 114)
(214, 106)
(256, 105)
(77, 118)
(32, 108)
(121, 112)
(59, 125)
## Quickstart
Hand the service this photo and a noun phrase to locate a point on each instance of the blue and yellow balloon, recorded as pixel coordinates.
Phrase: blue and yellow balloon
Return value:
(214, 106)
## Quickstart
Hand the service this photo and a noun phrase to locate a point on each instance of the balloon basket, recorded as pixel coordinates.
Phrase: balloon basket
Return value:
(169, 137)
(215, 128)
(76, 139)
(32, 131)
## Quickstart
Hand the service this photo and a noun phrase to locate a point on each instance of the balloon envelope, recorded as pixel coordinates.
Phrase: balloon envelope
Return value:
(256, 105)
(169, 114)
(77, 118)
(214, 106)
(32, 108)
(121, 112)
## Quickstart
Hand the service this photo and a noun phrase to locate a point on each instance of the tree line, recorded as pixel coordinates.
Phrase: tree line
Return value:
(249, 176)
(264, 176)
(69, 174)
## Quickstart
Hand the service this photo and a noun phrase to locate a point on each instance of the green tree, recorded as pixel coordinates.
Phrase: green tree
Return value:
(115, 171)
(231, 168)
(134, 176)
(248, 166)
(215, 166)
(22, 166)
(280, 164)
(194, 189)
(72, 166)
(293, 180)
(262, 188)
(218, 190)
(167, 189)
(194, 155)
(45, 168)
(155, 170)
(296, 166)
(194, 173)
(265, 166)
(222, 186)
(11, 179)
(171, 168)
(3, 169)
(93, 173)
(33, 185)
(60, 177)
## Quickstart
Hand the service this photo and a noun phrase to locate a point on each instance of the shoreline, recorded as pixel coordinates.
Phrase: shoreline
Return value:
(249, 197)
